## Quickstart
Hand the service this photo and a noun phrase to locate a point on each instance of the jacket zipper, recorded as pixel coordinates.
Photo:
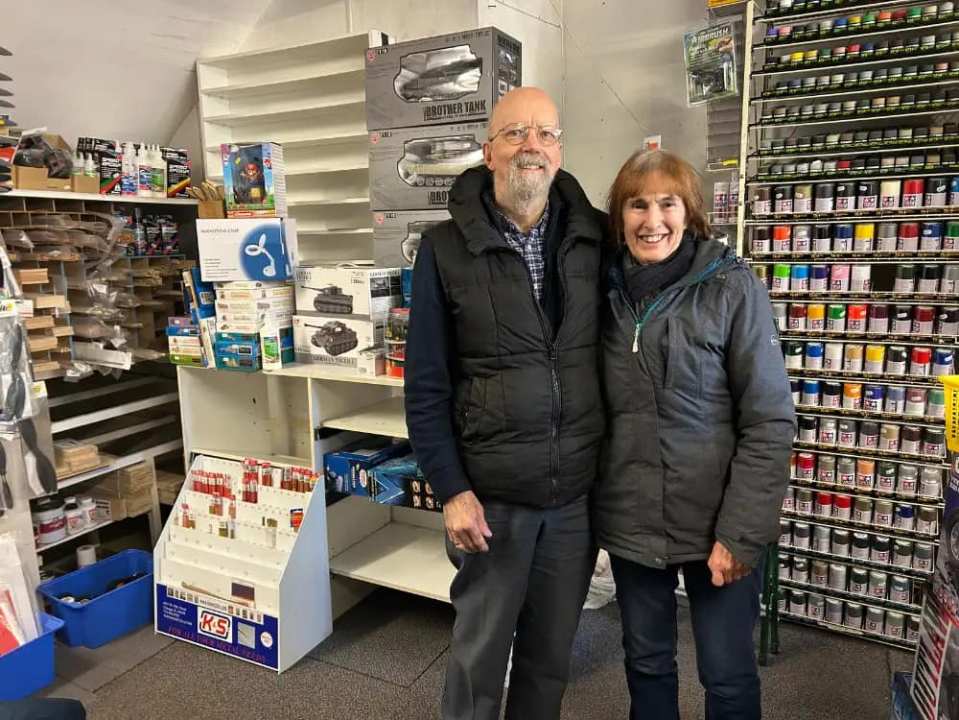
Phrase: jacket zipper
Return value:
(555, 388)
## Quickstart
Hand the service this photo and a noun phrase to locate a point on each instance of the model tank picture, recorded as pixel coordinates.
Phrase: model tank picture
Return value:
(444, 74)
(436, 162)
(331, 299)
(414, 234)
(335, 338)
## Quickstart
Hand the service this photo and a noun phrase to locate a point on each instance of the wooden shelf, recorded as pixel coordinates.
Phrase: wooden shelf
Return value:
(387, 418)
(401, 557)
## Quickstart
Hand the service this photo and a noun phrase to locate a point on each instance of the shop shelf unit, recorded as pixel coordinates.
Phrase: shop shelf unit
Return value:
(785, 152)
(311, 99)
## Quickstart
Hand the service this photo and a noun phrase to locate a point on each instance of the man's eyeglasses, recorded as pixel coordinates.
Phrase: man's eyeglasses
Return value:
(517, 133)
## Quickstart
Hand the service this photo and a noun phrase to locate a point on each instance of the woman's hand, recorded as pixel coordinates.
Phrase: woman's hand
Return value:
(725, 568)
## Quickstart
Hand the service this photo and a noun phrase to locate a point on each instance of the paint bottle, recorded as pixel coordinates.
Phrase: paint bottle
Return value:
(842, 238)
(889, 437)
(832, 356)
(842, 507)
(847, 434)
(948, 321)
(822, 238)
(896, 356)
(930, 482)
(853, 617)
(915, 402)
(874, 358)
(782, 239)
(144, 172)
(922, 557)
(839, 278)
(826, 467)
(936, 405)
(905, 518)
(831, 394)
(895, 399)
(865, 473)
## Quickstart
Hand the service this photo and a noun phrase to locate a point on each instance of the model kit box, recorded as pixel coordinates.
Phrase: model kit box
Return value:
(414, 168)
(347, 470)
(338, 290)
(335, 340)
(443, 79)
(397, 234)
(251, 249)
(254, 180)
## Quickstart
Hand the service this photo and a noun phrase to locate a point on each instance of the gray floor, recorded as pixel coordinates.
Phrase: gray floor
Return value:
(385, 661)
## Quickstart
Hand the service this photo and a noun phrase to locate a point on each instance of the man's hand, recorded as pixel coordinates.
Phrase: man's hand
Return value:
(465, 523)
(725, 568)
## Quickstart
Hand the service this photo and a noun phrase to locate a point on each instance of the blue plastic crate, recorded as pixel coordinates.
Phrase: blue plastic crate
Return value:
(109, 614)
(29, 668)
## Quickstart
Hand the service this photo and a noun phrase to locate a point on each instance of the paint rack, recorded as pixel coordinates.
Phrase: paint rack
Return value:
(244, 578)
(788, 154)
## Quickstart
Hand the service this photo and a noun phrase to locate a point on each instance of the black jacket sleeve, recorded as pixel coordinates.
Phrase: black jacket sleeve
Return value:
(766, 422)
(430, 376)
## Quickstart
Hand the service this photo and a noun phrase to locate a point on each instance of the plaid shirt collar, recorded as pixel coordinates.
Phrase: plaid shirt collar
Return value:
(516, 237)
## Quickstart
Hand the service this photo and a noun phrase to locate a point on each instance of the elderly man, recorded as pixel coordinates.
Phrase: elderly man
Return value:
(504, 411)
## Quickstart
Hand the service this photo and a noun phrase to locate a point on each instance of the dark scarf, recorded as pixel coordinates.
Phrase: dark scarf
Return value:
(643, 281)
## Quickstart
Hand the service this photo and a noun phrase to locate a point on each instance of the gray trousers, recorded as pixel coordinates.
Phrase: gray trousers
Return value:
(533, 582)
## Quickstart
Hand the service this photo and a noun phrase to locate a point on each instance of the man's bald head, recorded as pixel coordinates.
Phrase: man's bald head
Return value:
(528, 105)
(523, 172)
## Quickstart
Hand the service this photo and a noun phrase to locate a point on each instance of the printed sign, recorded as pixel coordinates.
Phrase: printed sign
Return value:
(710, 57)
(230, 628)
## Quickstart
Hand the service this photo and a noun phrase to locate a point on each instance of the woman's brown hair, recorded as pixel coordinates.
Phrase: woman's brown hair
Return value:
(659, 171)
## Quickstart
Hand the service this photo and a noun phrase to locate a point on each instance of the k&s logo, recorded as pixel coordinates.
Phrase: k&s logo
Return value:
(214, 625)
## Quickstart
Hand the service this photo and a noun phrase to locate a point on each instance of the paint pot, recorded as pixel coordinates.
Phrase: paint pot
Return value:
(49, 520)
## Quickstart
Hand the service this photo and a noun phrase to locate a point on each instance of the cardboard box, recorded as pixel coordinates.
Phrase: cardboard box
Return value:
(254, 180)
(237, 351)
(84, 184)
(397, 234)
(240, 291)
(258, 249)
(188, 360)
(178, 171)
(30, 178)
(261, 306)
(125, 482)
(443, 79)
(139, 504)
(110, 508)
(331, 290)
(210, 210)
(414, 168)
(335, 341)
(111, 171)
(347, 469)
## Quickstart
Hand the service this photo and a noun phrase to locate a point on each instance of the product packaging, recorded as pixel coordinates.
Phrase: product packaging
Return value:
(397, 234)
(344, 290)
(237, 351)
(178, 171)
(257, 249)
(254, 181)
(276, 347)
(348, 469)
(444, 79)
(414, 168)
(336, 340)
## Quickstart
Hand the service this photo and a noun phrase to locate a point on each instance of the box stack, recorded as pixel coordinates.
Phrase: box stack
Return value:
(190, 337)
(249, 256)
(74, 457)
(428, 102)
(127, 492)
(341, 312)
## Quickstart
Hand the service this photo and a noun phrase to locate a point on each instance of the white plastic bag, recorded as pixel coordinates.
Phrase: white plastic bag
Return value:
(602, 587)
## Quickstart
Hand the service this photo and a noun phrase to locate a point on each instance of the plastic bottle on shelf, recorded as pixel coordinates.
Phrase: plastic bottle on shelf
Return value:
(144, 172)
(90, 166)
(158, 183)
(77, 164)
(128, 165)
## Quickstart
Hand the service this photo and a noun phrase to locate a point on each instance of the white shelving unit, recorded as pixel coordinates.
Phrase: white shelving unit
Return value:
(311, 99)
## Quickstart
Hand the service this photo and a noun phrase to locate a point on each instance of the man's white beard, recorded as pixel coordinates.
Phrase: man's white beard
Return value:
(526, 191)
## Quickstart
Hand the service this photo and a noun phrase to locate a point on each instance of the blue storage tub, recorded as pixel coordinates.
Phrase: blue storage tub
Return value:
(109, 614)
(29, 668)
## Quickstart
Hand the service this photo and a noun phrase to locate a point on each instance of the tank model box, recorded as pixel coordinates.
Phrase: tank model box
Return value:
(336, 340)
(414, 168)
(338, 290)
(397, 234)
(443, 79)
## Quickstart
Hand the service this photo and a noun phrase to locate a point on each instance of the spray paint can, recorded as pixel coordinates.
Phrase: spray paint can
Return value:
(842, 507)
(929, 277)
(936, 407)
(880, 549)
(783, 199)
(831, 394)
(901, 319)
(889, 192)
(762, 201)
(915, 402)
(900, 589)
(836, 318)
(825, 197)
(854, 616)
(951, 239)
(937, 189)
(856, 318)
(895, 402)
(858, 581)
(846, 471)
(816, 606)
(896, 360)
(800, 570)
(950, 280)
(878, 584)
(780, 311)
(853, 358)
(818, 278)
(823, 505)
(860, 278)
(804, 503)
(840, 543)
(868, 194)
(760, 240)
(922, 557)
(781, 275)
(847, 434)
(923, 319)
(822, 238)
(886, 478)
(782, 239)
(832, 356)
(813, 360)
(865, 473)
(839, 278)
(801, 243)
(931, 238)
(887, 237)
(875, 356)
(895, 624)
(910, 439)
(933, 442)
(827, 436)
(873, 395)
(875, 620)
(948, 321)
(905, 280)
(905, 518)
(789, 500)
(799, 278)
(816, 312)
(806, 465)
(785, 533)
(785, 567)
(797, 317)
(807, 429)
(908, 237)
(845, 198)
(861, 546)
(902, 553)
(802, 198)
(852, 396)
(920, 361)
(793, 352)
(912, 629)
(862, 511)
(908, 479)
(842, 238)
(927, 521)
(797, 602)
(864, 237)
(912, 193)
(838, 576)
(889, 437)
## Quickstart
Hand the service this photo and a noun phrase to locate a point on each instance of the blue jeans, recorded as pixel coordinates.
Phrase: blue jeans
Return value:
(723, 622)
